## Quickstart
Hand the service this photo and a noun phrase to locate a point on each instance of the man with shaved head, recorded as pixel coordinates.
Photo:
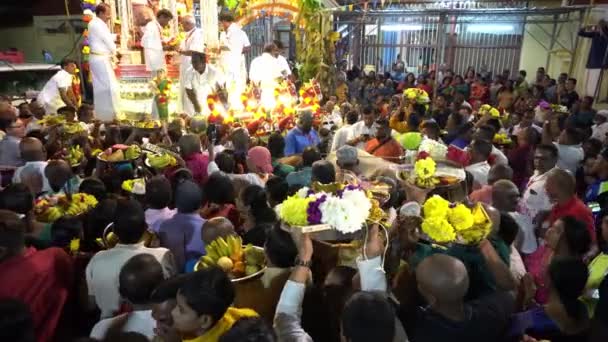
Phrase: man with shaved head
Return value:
(505, 197)
(192, 43)
(33, 153)
(216, 227)
(59, 175)
(561, 190)
(443, 282)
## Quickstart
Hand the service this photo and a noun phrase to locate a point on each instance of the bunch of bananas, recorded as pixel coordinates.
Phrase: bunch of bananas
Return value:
(72, 128)
(147, 124)
(75, 155)
(161, 161)
(50, 209)
(229, 255)
(132, 152)
(51, 120)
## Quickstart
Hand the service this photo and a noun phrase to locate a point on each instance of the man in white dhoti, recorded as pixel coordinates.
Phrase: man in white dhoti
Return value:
(202, 80)
(152, 41)
(233, 40)
(264, 72)
(191, 44)
(57, 91)
(105, 86)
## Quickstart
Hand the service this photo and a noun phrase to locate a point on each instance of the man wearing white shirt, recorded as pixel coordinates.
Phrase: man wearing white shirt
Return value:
(479, 168)
(192, 43)
(343, 133)
(103, 270)
(363, 130)
(57, 91)
(600, 127)
(33, 153)
(202, 80)
(535, 199)
(264, 72)
(152, 41)
(233, 42)
(138, 279)
(103, 49)
(283, 64)
(568, 144)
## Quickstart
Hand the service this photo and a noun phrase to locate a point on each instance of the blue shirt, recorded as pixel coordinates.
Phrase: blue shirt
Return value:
(296, 141)
(181, 234)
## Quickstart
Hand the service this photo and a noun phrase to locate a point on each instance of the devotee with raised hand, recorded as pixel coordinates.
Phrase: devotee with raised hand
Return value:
(200, 81)
(102, 272)
(301, 136)
(137, 280)
(152, 41)
(383, 145)
(181, 234)
(103, 50)
(57, 92)
(193, 43)
(40, 279)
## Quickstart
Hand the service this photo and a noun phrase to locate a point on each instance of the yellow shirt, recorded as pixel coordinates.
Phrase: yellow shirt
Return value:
(224, 324)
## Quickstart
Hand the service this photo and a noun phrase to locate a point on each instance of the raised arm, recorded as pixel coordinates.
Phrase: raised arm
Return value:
(287, 322)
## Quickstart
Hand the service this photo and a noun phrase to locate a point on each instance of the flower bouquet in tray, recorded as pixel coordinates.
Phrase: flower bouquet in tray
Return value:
(240, 263)
(427, 174)
(446, 222)
(345, 208)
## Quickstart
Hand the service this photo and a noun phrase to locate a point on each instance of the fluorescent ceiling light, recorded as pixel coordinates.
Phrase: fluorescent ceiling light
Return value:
(401, 27)
(490, 28)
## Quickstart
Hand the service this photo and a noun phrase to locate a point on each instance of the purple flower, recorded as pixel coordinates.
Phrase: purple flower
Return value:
(314, 212)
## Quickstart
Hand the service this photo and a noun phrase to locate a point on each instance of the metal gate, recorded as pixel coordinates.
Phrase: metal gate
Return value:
(489, 40)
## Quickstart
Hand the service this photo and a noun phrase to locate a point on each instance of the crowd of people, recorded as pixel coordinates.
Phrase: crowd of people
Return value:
(539, 275)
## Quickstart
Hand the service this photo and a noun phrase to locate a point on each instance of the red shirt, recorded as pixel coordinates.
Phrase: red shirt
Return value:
(577, 209)
(197, 164)
(41, 280)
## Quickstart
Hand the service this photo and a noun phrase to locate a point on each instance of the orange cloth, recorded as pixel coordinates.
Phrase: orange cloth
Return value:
(390, 151)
